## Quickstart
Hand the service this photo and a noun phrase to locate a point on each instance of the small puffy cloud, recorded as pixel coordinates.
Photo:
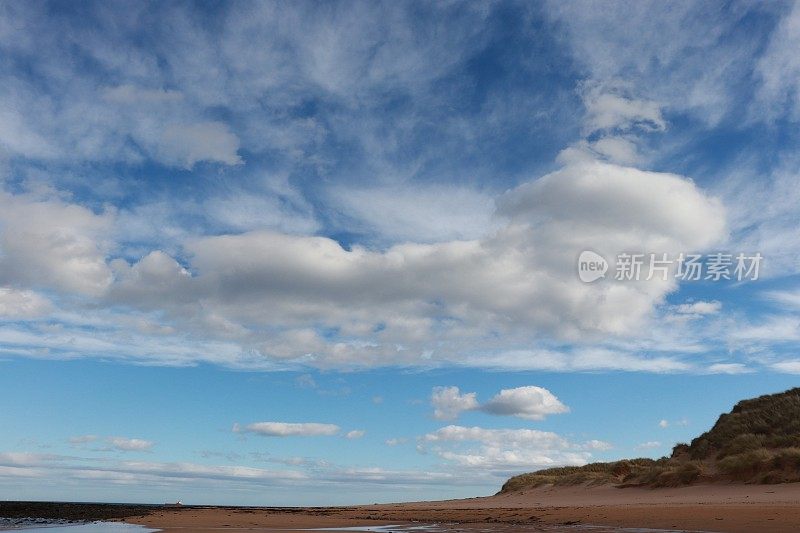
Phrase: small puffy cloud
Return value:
(597, 445)
(355, 434)
(693, 310)
(396, 441)
(664, 423)
(287, 429)
(531, 403)
(129, 445)
(448, 402)
(305, 381)
(608, 111)
(649, 445)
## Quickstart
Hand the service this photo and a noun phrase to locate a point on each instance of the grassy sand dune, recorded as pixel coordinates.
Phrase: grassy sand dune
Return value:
(757, 442)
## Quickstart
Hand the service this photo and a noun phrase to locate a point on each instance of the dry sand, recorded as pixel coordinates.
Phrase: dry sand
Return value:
(728, 508)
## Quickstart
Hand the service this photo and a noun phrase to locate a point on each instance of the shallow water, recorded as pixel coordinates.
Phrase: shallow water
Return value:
(63, 526)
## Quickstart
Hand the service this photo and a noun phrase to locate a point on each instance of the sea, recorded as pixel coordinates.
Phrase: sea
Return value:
(45, 525)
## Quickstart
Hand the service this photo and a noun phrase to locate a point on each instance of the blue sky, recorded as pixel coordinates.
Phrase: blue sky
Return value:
(277, 253)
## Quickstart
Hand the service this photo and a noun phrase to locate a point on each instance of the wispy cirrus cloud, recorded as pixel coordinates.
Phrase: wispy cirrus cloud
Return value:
(119, 444)
(420, 244)
(125, 444)
(288, 429)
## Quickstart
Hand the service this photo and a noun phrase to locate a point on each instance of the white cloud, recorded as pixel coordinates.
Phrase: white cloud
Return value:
(649, 445)
(699, 308)
(532, 403)
(188, 144)
(661, 208)
(693, 310)
(449, 294)
(47, 242)
(124, 444)
(729, 368)
(427, 304)
(82, 439)
(578, 360)
(619, 150)
(790, 366)
(598, 445)
(502, 298)
(448, 402)
(248, 211)
(137, 471)
(503, 449)
(772, 328)
(397, 441)
(21, 304)
(355, 434)
(108, 474)
(127, 124)
(287, 429)
(663, 424)
(609, 111)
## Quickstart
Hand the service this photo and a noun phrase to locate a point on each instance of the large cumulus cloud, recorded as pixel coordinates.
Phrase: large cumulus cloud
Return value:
(309, 298)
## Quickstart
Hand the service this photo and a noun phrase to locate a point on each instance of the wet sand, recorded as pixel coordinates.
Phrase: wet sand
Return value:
(728, 508)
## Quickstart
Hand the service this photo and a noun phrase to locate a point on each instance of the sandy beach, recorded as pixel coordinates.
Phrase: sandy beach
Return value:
(723, 508)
